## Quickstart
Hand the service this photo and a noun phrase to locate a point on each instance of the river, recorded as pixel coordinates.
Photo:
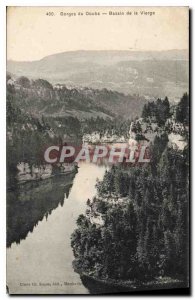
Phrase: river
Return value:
(40, 223)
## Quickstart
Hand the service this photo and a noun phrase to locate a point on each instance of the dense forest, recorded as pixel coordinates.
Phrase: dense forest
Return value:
(159, 109)
(136, 228)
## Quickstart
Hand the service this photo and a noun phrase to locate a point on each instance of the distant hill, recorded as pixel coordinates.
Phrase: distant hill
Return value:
(147, 73)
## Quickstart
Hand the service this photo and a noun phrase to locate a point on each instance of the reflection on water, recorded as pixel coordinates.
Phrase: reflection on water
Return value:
(41, 220)
(30, 203)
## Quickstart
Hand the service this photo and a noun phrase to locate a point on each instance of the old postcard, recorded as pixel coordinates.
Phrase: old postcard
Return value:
(97, 150)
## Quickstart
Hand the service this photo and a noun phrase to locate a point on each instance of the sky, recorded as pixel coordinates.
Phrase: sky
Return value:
(33, 34)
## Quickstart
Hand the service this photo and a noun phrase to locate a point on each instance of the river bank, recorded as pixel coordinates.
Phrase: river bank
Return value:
(105, 286)
(26, 175)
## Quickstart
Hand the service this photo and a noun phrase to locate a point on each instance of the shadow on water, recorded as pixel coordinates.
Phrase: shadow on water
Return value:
(30, 203)
(97, 287)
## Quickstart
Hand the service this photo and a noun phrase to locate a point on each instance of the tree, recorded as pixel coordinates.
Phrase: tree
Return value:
(23, 81)
(182, 110)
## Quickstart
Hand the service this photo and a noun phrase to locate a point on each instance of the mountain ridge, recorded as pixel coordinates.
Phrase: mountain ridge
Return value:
(183, 52)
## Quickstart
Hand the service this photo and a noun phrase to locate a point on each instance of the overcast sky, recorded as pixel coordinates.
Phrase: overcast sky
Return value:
(32, 35)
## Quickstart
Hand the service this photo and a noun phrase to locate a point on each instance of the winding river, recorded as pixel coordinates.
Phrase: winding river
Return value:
(40, 223)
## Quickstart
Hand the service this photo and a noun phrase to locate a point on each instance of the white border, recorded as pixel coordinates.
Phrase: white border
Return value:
(3, 4)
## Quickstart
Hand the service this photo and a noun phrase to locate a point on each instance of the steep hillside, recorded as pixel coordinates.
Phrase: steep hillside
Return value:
(39, 97)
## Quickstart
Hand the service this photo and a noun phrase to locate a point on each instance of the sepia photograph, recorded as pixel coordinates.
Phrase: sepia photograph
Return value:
(97, 150)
